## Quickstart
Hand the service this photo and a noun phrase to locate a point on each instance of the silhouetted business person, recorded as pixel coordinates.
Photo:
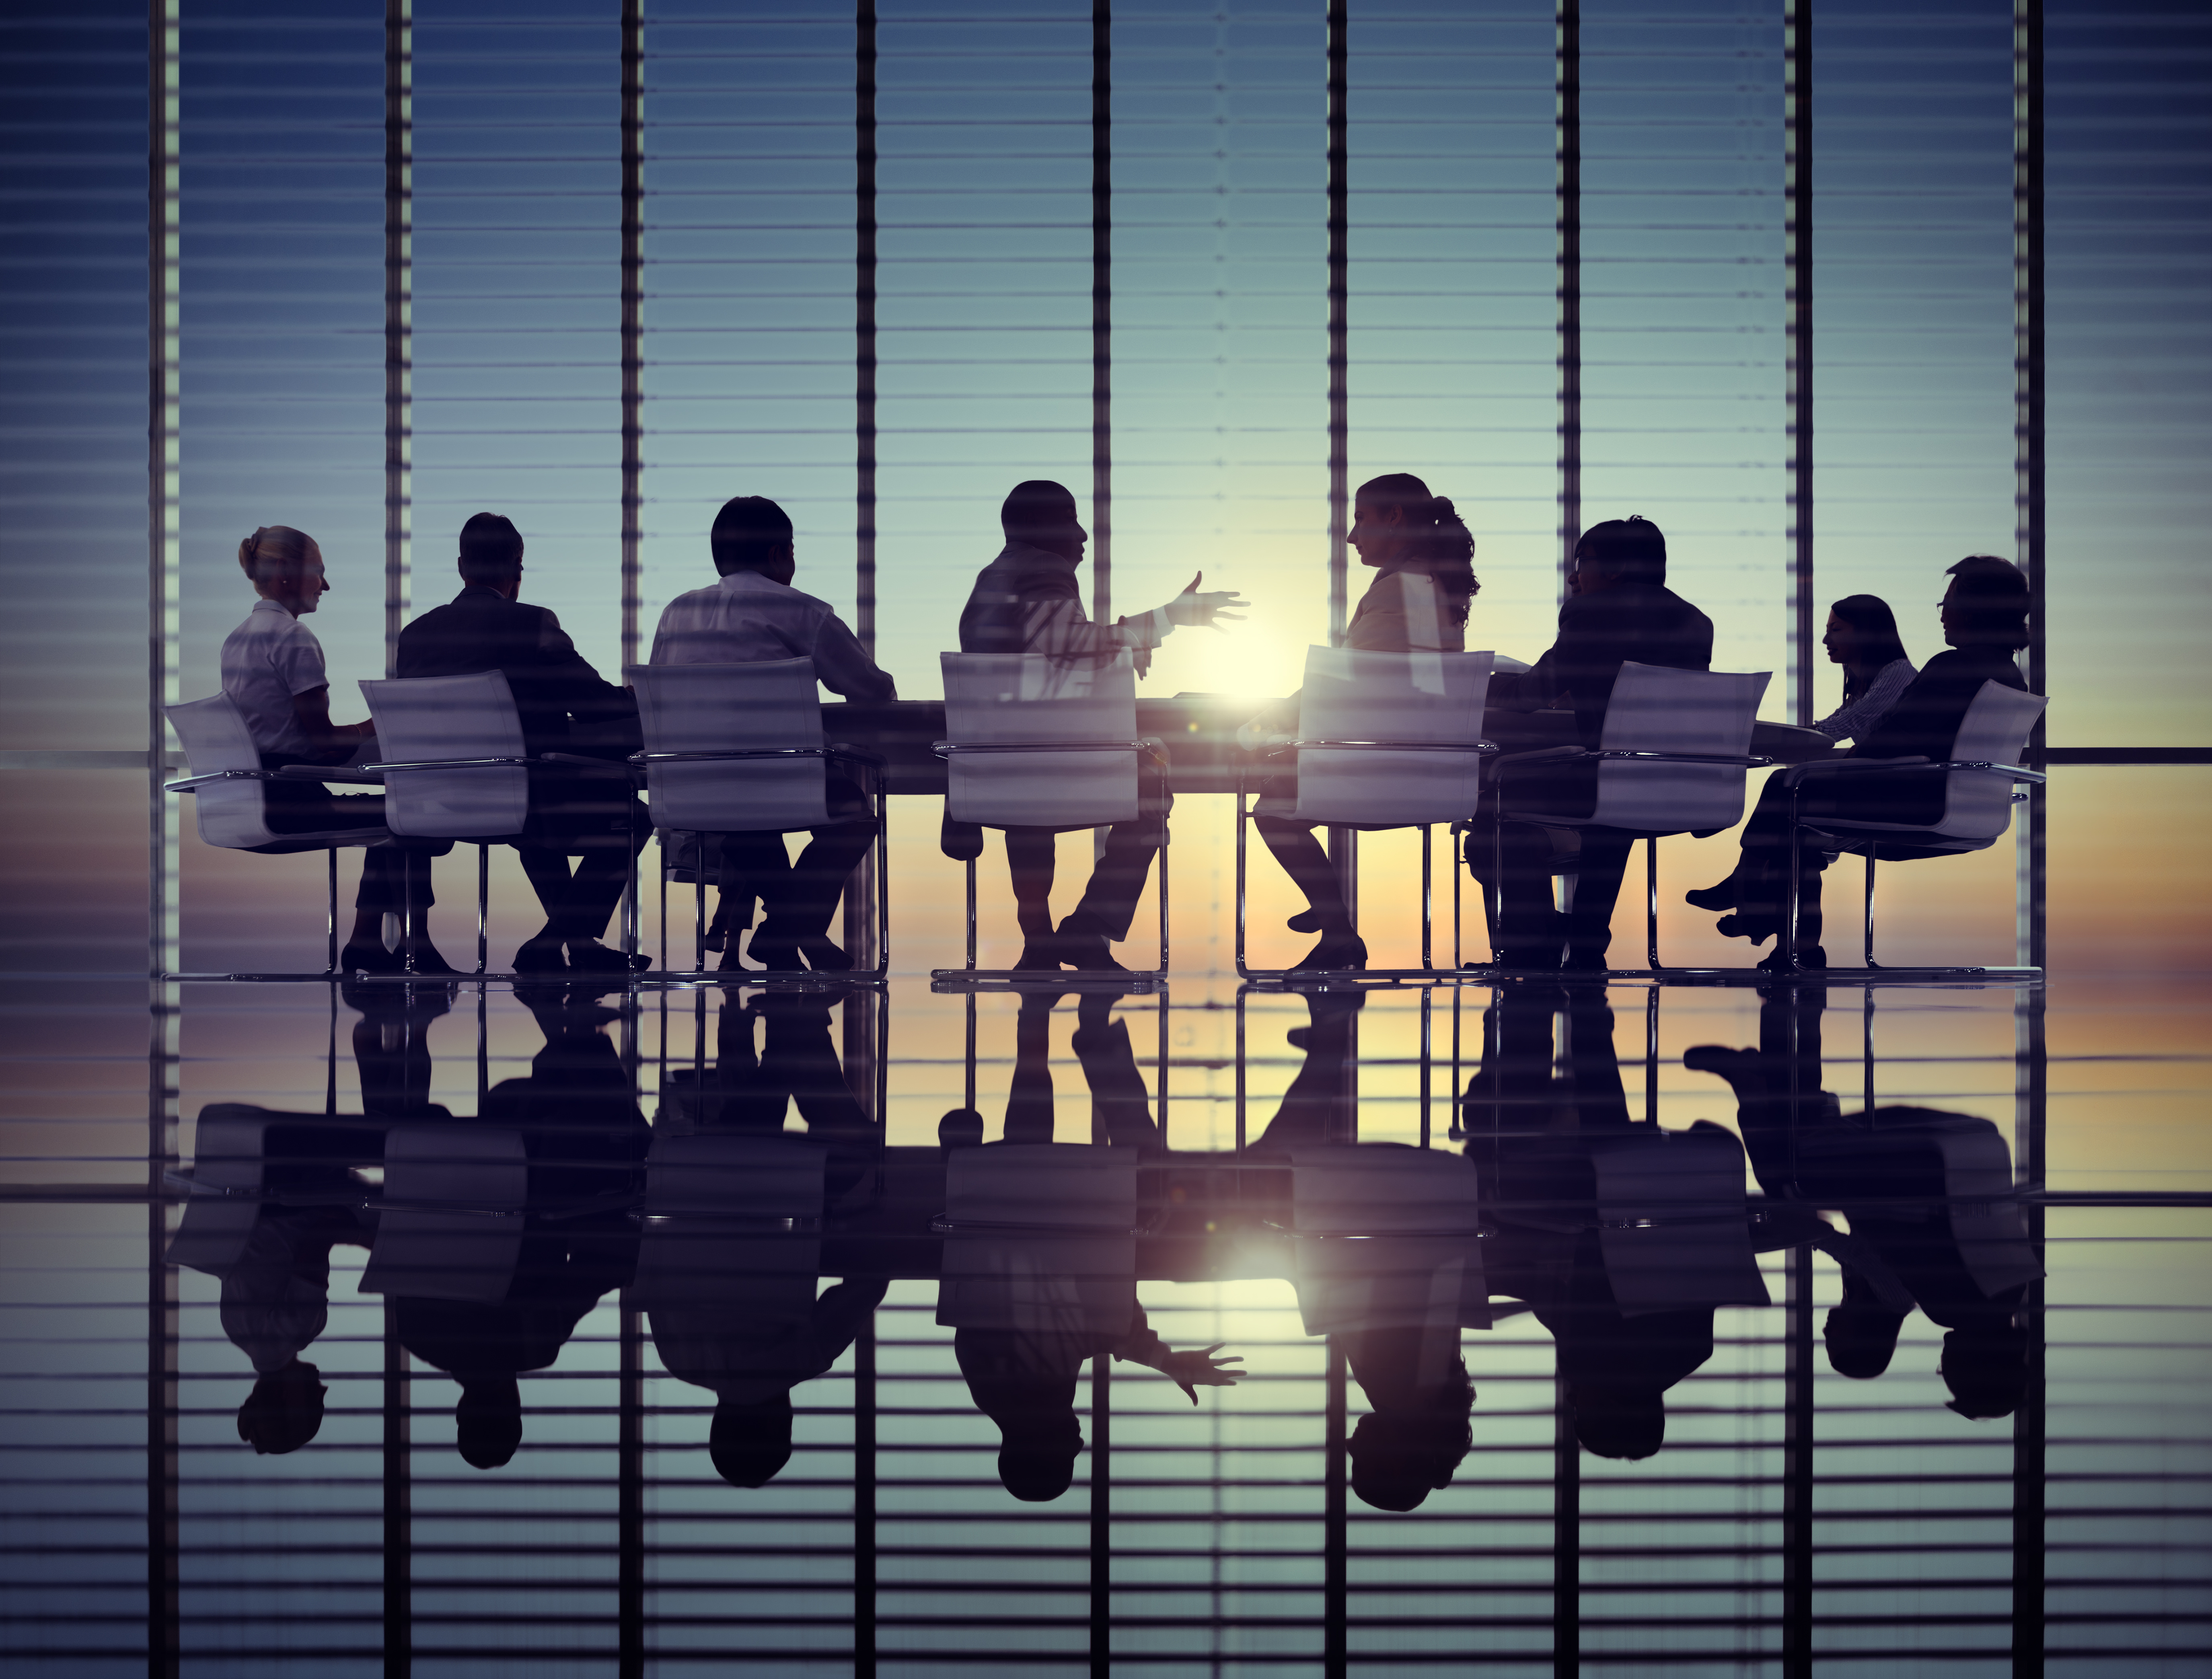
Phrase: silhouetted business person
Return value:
(1985, 615)
(1422, 555)
(1027, 600)
(273, 669)
(1620, 609)
(752, 616)
(565, 707)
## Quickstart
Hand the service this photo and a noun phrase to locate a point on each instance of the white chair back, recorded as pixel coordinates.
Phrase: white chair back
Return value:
(233, 815)
(427, 718)
(1670, 1207)
(1407, 1254)
(227, 1169)
(452, 1225)
(1656, 710)
(1995, 730)
(1421, 698)
(763, 707)
(1002, 698)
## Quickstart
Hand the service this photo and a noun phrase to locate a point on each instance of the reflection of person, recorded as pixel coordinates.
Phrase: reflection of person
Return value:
(1394, 1303)
(275, 1304)
(1423, 583)
(564, 707)
(1027, 600)
(752, 616)
(752, 1090)
(1985, 613)
(1029, 1307)
(1924, 1191)
(584, 1135)
(1620, 609)
(1537, 1139)
(272, 670)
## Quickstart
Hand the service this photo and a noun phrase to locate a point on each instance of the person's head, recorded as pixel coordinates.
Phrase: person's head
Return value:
(1861, 1340)
(491, 553)
(751, 533)
(1396, 522)
(1036, 1466)
(750, 1444)
(284, 1411)
(1863, 631)
(284, 566)
(1619, 551)
(1040, 513)
(1986, 605)
(489, 1420)
(1986, 1370)
(1399, 1457)
(1619, 1420)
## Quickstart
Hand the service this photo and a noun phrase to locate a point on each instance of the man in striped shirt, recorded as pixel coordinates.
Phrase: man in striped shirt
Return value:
(1027, 600)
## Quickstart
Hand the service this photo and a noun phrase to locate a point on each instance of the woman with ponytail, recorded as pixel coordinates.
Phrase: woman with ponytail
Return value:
(1422, 555)
(273, 669)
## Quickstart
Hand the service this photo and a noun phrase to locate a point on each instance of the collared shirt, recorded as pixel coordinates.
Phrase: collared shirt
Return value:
(1027, 601)
(265, 661)
(747, 619)
(1850, 721)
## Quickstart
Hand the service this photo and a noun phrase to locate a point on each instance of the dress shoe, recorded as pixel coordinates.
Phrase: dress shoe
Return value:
(368, 956)
(422, 956)
(540, 956)
(1809, 956)
(1716, 898)
(961, 1128)
(1040, 955)
(1306, 920)
(1336, 953)
(1743, 926)
(589, 956)
(1082, 944)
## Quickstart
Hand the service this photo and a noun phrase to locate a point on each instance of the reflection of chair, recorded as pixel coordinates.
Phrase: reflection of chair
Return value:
(1388, 1238)
(738, 749)
(725, 1211)
(449, 1223)
(1978, 796)
(1670, 759)
(1671, 1220)
(455, 767)
(231, 787)
(225, 1188)
(1039, 1237)
(1041, 743)
(1387, 740)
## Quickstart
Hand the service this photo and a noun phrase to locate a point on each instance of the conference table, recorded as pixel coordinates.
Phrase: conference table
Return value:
(1198, 733)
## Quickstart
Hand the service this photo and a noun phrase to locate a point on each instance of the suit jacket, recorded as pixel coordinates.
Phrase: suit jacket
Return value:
(566, 706)
(1646, 623)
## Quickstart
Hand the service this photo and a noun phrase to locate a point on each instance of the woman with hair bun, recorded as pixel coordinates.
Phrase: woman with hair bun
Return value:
(1422, 553)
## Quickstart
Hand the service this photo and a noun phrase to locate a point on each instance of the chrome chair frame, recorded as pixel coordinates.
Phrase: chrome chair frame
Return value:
(1151, 753)
(873, 764)
(1428, 969)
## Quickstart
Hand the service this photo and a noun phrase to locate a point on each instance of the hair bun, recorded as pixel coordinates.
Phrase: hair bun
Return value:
(1441, 508)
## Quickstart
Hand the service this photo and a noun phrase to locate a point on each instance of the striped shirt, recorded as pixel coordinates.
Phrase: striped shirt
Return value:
(1851, 722)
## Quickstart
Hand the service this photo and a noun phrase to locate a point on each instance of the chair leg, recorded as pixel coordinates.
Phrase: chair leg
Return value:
(883, 884)
(1457, 964)
(331, 921)
(484, 908)
(1428, 922)
(699, 912)
(1164, 916)
(1789, 951)
(971, 867)
(1243, 816)
(1870, 908)
(1651, 901)
(1652, 1057)
(1497, 892)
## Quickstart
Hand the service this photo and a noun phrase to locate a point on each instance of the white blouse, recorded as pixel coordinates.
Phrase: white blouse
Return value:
(1851, 722)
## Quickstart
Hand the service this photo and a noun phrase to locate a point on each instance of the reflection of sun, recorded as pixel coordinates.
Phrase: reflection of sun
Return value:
(1259, 659)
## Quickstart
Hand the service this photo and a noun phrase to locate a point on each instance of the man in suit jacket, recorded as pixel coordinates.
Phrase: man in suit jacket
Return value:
(565, 707)
(1618, 609)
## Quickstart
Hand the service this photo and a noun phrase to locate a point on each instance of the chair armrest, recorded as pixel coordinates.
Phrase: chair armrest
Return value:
(1402, 745)
(191, 783)
(1746, 761)
(456, 763)
(349, 775)
(858, 754)
(946, 748)
(1909, 766)
(1544, 755)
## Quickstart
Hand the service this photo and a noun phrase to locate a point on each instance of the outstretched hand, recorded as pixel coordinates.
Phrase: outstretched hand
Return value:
(1211, 609)
(1198, 1367)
